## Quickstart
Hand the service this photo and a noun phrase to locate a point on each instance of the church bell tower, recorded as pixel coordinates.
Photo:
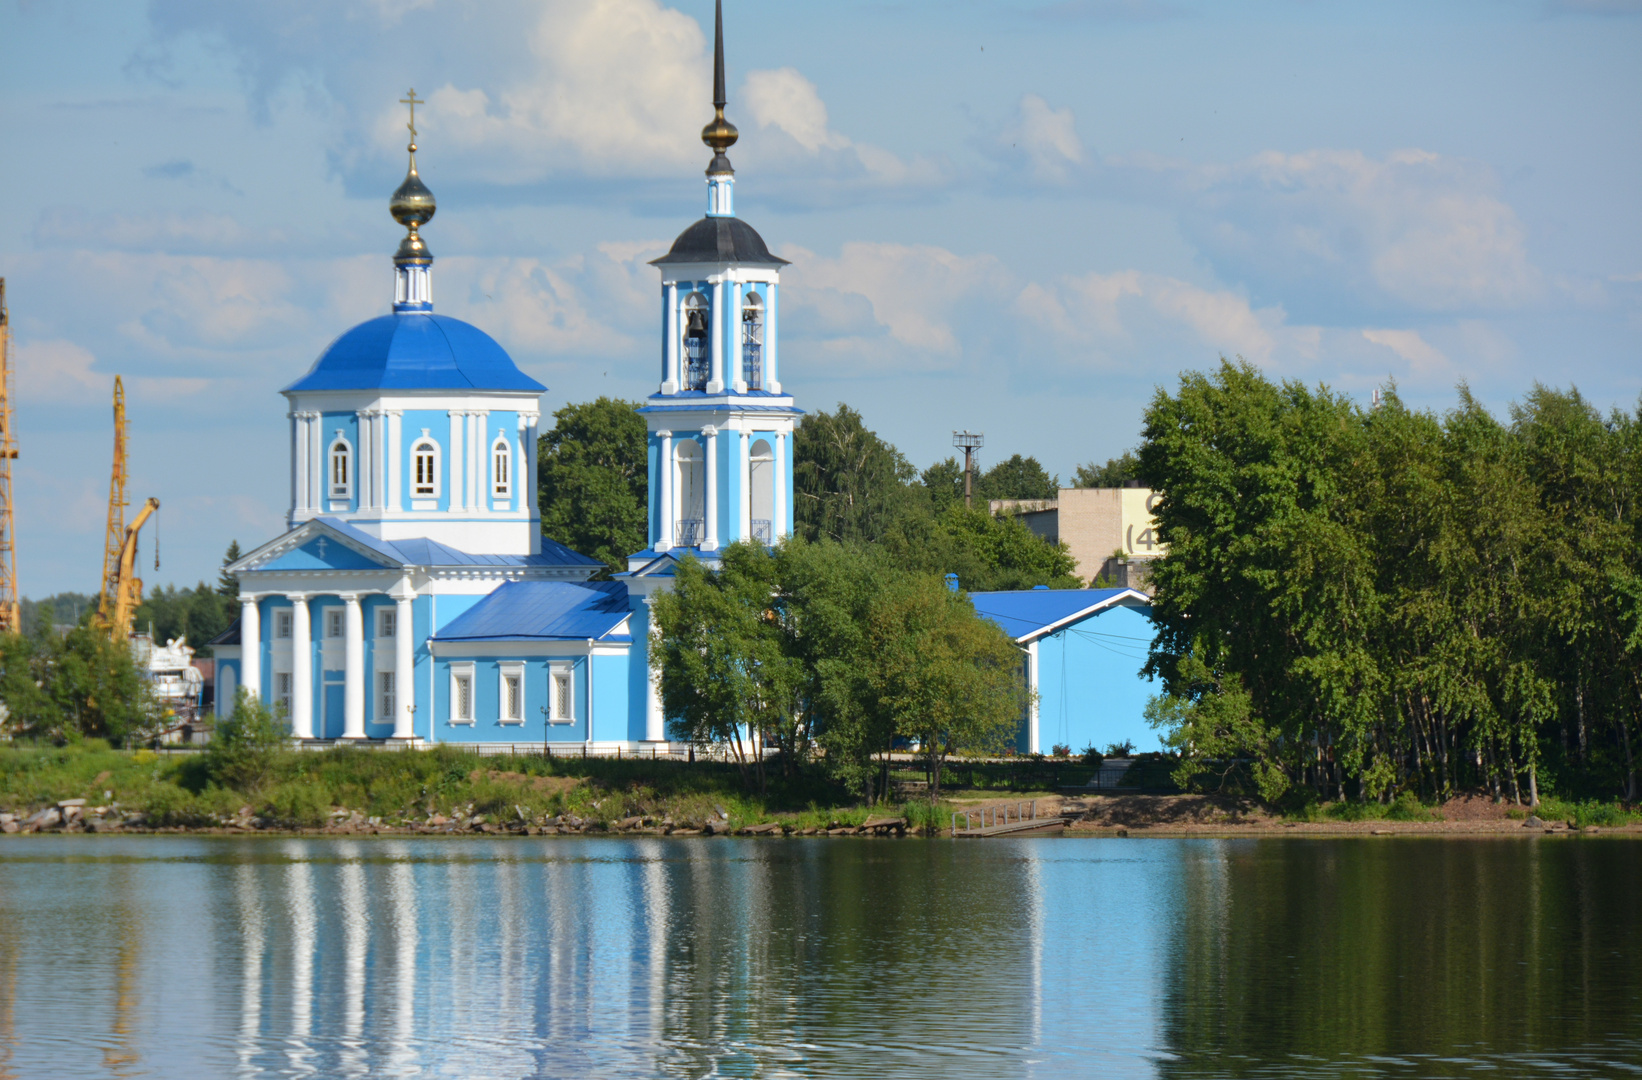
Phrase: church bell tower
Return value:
(720, 425)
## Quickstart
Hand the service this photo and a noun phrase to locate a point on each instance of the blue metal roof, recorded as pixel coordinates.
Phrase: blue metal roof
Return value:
(554, 610)
(415, 350)
(1034, 612)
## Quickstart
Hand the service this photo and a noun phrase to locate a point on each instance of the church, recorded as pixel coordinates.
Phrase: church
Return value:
(413, 599)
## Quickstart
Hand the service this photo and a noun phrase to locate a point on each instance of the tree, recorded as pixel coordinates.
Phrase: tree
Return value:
(1018, 477)
(939, 674)
(246, 745)
(986, 551)
(848, 484)
(199, 614)
(593, 477)
(228, 584)
(76, 685)
(1117, 472)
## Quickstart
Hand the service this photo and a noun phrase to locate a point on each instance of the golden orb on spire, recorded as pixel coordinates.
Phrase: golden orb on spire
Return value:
(412, 204)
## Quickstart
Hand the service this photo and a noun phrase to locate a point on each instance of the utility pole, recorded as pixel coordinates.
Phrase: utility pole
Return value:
(971, 442)
(11, 615)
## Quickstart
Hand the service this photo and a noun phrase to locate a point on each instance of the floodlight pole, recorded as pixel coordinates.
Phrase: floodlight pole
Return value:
(970, 441)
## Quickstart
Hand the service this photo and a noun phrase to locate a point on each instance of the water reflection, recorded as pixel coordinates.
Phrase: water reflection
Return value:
(650, 957)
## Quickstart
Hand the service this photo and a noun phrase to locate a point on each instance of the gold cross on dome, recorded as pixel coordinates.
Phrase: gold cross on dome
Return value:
(413, 102)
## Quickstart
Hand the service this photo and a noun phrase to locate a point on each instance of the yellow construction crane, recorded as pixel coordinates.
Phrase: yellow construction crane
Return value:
(122, 588)
(11, 615)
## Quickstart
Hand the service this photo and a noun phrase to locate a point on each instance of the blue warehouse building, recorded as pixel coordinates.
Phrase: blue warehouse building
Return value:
(1084, 651)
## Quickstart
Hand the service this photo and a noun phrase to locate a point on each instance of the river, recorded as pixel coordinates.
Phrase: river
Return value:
(584, 957)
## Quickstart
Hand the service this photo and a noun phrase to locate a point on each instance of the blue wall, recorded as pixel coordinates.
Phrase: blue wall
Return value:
(487, 725)
(1090, 689)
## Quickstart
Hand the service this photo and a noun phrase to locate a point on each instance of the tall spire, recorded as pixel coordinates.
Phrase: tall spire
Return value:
(412, 206)
(720, 134)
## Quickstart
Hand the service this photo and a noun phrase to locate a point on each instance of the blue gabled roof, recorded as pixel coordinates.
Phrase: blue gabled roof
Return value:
(1033, 612)
(424, 552)
(544, 610)
(415, 350)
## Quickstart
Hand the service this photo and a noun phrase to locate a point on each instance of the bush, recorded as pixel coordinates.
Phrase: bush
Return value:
(1126, 748)
(246, 746)
(1408, 807)
(296, 802)
(1060, 750)
(1092, 757)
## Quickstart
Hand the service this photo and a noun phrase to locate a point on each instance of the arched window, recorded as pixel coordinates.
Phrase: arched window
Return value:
(760, 485)
(341, 465)
(501, 468)
(752, 341)
(697, 346)
(425, 468)
(691, 495)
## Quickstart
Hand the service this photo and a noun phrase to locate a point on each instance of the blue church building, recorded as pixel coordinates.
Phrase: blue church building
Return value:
(412, 598)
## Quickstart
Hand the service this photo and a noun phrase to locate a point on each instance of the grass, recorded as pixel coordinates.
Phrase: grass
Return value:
(306, 788)
(1586, 813)
(1406, 807)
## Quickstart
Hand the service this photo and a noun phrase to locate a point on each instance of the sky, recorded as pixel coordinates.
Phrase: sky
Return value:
(1020, 217)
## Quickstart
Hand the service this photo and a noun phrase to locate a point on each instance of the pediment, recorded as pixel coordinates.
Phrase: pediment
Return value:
(313, 546)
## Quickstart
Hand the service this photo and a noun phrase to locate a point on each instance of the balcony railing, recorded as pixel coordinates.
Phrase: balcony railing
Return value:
(688, 532)
(762, 532)
(752, 365)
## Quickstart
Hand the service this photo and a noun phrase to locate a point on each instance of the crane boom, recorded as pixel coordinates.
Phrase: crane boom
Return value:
(128, 586)
(11, 616)
(114, 539)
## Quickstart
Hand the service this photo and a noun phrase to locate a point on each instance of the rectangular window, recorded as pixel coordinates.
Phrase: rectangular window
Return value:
(561, 691)
(387, 622)
(282, 691)
(384, 696)
(282, 625)
(333, 622)
(502, 461)
(510, 692)
(425, 468)
(461, 693)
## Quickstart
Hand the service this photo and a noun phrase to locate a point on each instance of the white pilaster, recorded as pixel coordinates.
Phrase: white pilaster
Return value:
(533, 511)
(655, 724)
(396, 458)
(664, 504)
(304, 482)
(744, 469)
(296, 428)
(318, 489)
(1032, 746)
(710, 542)
(379, 459)
(353, 668)
(670, 346)
(737, 375)
(715, 371)
(778, 527)
(302, 670)
(362, 462)
(481, 462)
(455, 494)
(404, 671)
(250, 645)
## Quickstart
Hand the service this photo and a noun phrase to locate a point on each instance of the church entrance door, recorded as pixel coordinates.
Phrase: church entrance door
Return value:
(335, 723)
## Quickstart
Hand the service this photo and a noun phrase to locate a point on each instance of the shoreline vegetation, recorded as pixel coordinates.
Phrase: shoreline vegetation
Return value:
(88, 787)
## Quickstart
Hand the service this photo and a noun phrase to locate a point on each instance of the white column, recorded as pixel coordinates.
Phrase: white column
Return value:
(655, 724)
(296, 439)
(250, 645)
(353, 668)
(664, 504)
(453, 455)
(302, 670)
(710, 542)
(772, 361)
(736, 372)
(532, 507)
(778, 527)
(669, 347)
(396, 457)
(404, 671)
(379, 463)
(744, 469)
(304, 482)
(318, 488)
(481, 462)
(715, 372)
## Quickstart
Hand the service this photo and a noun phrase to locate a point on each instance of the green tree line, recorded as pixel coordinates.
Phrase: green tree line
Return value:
(1358, 603)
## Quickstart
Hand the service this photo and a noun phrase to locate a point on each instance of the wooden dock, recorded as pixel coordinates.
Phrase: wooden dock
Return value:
(1005, 819)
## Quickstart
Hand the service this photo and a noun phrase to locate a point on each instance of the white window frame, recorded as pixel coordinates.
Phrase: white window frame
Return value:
(340, 447)
(510, 669)
(556, 671)
(458, 674)
(501, 468)
(284, 619)
(387, 621)
(334, 621)
(387, 695)
(428, 445)
(283, 683)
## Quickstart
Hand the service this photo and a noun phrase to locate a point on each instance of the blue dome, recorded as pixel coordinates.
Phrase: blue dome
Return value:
(415, 350)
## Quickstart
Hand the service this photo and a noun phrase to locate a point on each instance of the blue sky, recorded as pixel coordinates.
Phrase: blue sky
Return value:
(1017, 217)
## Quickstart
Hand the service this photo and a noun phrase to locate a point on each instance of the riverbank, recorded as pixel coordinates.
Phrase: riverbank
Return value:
(91, 788)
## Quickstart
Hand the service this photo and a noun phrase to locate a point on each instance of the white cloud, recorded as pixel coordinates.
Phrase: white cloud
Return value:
(1047, 137)
(1423, 357)
(878, 302)
(1414, 229)
(56, 371)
